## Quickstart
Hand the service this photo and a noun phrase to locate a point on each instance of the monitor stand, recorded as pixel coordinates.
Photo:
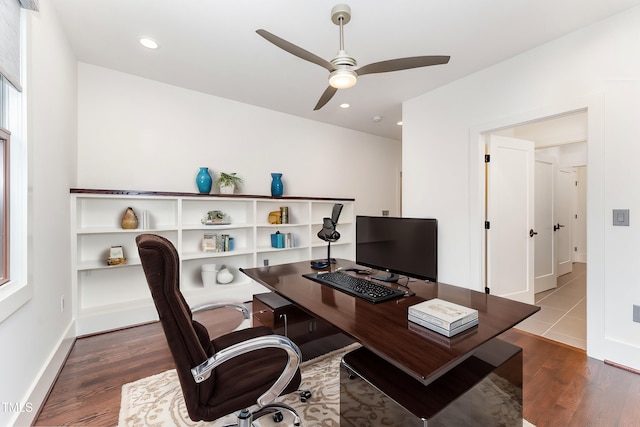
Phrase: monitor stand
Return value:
(388, 277)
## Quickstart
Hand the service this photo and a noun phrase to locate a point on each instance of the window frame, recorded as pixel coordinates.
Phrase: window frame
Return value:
(18, 291)
(5, 268)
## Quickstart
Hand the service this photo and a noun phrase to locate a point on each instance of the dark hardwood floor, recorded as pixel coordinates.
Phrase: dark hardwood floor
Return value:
(562, 386)
(87, 391)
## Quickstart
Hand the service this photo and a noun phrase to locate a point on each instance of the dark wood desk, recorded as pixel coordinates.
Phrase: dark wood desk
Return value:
(384, 329)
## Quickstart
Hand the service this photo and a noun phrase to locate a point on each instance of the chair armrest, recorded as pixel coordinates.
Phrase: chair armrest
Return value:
(203, 371)
(240, 307)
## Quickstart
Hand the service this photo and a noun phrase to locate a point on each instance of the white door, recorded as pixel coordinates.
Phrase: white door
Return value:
(545, 257)
(565, 197)
(510, 202)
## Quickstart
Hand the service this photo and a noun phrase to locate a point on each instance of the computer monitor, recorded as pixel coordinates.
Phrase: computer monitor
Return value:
(399, 246)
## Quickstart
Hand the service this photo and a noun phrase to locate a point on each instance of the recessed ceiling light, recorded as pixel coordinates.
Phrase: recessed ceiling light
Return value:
(345, 105)
(376, 118)
(399, 123)
(148, 43)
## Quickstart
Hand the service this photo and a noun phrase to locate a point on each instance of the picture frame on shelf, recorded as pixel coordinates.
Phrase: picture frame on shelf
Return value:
(116, 252)
(116, 256)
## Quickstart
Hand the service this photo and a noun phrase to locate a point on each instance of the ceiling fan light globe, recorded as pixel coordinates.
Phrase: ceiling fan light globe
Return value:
(342, 79)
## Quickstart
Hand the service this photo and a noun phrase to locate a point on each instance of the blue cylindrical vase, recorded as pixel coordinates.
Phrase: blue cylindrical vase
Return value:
(204, 181)
(277, 188)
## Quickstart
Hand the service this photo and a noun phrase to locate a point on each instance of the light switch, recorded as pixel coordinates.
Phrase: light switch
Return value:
(621, 217)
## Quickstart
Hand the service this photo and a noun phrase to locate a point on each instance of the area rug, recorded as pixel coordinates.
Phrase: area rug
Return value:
(157, 401)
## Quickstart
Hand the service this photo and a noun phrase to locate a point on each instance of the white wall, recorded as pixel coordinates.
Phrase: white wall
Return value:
(597, 68)
(140, 134)
(32, 335)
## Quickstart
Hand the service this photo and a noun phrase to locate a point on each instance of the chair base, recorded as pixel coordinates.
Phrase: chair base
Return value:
(247, 418)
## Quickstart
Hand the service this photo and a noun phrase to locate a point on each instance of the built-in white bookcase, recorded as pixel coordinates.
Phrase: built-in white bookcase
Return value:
(109, 297)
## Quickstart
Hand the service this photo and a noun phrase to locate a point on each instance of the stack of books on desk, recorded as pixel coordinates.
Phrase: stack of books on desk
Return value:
(438, 338)
(443, 317)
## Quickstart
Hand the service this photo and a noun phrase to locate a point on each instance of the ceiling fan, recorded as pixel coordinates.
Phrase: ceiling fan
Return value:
(343, 73)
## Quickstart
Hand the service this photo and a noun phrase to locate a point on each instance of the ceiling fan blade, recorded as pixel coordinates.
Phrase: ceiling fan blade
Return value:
(402, 64)
(326, 97)
(295, 50)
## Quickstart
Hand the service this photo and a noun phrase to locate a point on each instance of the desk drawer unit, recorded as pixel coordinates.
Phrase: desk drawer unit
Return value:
(280, 315)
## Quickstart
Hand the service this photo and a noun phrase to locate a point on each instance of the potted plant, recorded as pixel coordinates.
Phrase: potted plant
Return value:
(227, 182)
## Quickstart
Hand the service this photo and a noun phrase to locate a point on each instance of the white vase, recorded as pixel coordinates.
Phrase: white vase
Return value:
(209, 267)
(209, 274)
(209, 277)
(224, 276)
(227, 189)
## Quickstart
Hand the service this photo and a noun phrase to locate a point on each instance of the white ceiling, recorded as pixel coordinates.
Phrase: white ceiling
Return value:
(211, 46)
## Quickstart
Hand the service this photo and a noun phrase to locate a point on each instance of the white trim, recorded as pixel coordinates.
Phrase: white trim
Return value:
(13, 295)
(594, 104)
(18, 291)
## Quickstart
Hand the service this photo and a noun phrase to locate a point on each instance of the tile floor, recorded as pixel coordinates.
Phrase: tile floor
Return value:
(563, 310)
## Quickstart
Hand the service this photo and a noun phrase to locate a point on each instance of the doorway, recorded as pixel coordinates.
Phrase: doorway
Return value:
(559, 229)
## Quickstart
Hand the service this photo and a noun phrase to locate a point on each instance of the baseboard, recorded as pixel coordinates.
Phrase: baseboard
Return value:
(620, 366)
(46, 378)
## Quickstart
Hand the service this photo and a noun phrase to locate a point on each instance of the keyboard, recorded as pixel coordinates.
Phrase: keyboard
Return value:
(357, 286)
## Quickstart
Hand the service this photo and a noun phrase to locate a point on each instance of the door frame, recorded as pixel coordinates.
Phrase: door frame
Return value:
(594, 106)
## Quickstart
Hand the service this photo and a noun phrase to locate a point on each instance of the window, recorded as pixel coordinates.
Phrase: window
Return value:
(16, 289)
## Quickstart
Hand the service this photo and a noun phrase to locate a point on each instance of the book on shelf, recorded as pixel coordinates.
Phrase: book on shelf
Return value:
(217, 243)
(443, 316)
(283, 240)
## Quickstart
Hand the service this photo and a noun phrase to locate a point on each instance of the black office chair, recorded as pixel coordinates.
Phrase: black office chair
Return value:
(245, 370)
(329, 234)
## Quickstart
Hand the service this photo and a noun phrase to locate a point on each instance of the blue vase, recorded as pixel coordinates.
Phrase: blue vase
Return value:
(204, 181)
(277, 188)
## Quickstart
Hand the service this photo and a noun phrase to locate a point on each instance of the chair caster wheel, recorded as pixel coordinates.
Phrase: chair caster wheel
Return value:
(305, 395)
(277, 417)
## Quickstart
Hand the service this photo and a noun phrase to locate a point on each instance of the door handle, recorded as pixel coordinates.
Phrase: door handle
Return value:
(557, 227)
(532, 233)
